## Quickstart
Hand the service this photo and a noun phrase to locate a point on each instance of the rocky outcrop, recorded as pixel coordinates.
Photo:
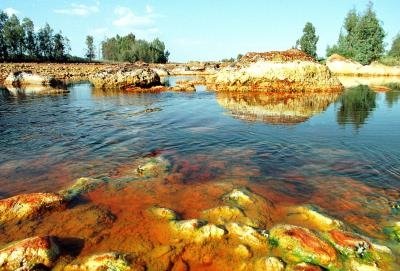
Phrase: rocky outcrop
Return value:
(80, 186)
(29, 205)
(125, 79)
(343, 66)
(29, 254)
(290, 70)
(23, 79)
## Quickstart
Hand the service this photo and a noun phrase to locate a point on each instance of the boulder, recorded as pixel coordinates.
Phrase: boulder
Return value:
(124, 79)
(290, 70)
(29, 205)
(296, 245)
(196, 231)
(24, 79)
(184, 86)
(29, 254)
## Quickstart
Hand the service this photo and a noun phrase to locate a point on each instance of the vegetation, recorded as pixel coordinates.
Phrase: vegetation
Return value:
(19, 42)
(90, 51)
(128, 48)
(308, 42)
(362, 39)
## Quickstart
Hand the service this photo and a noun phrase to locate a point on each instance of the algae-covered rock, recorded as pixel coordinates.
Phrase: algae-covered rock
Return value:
(313, 217)
(110, 261)
(268, 264)
(29, 205)
(393, 231)
(80, 186)
(224, 214)
(152, 166)
(357, 249)
(29, 254)
(296, 245)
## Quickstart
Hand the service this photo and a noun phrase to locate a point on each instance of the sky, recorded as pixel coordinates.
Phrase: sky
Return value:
(201, 29)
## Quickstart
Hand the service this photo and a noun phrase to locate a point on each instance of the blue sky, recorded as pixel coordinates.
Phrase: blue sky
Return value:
(201, 29)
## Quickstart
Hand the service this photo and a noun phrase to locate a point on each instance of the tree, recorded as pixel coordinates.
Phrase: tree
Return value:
(362, 39)
(30, 37)
(14, 37)
(59, 47)
(90, 51)
(45, 42)
(395, 49)
(128, 48)
(308, 42)
(3, 46)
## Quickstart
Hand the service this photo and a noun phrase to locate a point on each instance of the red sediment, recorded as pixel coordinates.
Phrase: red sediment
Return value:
(345, 239)
(313, 242)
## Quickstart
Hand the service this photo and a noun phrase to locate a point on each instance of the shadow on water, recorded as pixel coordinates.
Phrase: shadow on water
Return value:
(355, 106)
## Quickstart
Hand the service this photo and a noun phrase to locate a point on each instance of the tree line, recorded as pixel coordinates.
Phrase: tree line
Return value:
(20, 42)
(361, 39)
(128, 48)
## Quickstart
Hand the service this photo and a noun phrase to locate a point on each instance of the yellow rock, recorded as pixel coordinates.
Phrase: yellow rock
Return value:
(223, 214)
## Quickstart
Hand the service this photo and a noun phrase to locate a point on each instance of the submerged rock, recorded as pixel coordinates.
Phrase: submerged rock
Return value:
(296, 245)
(23, 79)
(99, 262)
(290, 70)
(153, 166)
(125, 79)
(29, 254)
(29, 205)
(80, 186)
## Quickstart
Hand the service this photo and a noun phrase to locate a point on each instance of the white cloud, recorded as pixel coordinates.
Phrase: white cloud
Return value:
(79, 9)
(149, 9)
(126, 18)
(11, 11)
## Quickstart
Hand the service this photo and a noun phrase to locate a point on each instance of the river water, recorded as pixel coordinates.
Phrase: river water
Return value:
(338, 151)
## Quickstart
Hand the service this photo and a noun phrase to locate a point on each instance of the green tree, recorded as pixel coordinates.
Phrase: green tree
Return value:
(128, 48)
(30, 37)
(3, 46)
(14, 37)
(45, 42)
(308, 41)
(90, 50)
(362, 39)
(395, 48)
(59, 47)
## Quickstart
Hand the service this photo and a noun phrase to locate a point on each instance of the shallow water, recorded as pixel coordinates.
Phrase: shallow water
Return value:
(340, 152)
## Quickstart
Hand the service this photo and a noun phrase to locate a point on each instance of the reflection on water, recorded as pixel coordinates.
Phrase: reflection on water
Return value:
(392, 97)
(355, 105)
(276, 108)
